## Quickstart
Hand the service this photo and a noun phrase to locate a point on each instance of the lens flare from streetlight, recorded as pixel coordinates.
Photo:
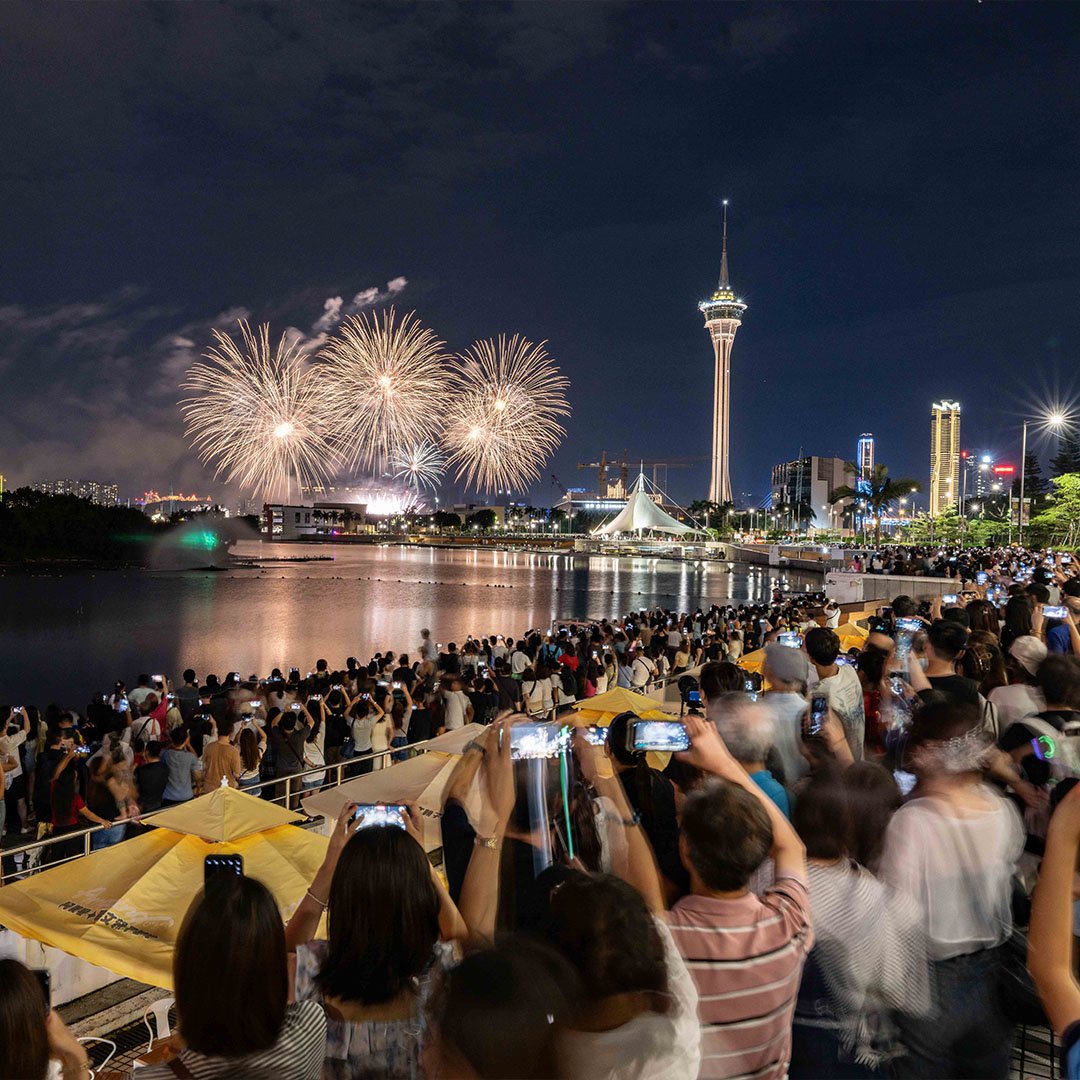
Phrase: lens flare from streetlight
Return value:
(258, 415)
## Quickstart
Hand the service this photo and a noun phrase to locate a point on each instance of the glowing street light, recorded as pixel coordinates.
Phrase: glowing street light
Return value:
(1055, 420)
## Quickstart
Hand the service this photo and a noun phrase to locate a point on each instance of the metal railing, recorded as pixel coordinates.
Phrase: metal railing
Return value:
(293, 791)
(292, 786)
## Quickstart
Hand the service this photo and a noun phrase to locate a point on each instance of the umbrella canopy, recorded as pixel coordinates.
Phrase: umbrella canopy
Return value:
(617, 701)
(421, 779)
(121, 907)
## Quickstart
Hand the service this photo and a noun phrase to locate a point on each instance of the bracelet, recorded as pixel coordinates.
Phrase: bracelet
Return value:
(321, 903)
(493, 843)
(632, 821)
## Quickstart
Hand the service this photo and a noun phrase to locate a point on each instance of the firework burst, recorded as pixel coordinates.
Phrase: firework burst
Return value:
(257, 415)
(384, 382)
(419, 466)
(502, 416)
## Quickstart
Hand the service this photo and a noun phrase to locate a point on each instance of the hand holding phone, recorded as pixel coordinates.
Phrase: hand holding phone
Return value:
(819, 713)
(368, 815)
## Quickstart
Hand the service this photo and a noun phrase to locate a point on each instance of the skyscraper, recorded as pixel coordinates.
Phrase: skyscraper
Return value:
(723, 316)
(865, 458)
(944, 455)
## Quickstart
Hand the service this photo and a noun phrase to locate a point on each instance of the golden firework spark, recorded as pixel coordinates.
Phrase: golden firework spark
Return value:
(385, 383)
(501, 418)
(258, 416)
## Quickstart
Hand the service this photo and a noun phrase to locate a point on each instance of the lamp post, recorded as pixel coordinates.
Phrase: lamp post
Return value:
(1054, 420)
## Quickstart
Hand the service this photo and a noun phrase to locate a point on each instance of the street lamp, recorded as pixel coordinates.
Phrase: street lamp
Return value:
(1052, 420)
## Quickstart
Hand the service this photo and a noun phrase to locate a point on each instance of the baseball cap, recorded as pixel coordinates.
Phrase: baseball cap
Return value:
(1029, 652)
(786, 664)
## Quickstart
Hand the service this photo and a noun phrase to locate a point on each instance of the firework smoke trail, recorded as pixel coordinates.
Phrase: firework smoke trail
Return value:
(502, 415)
(385, 382)
(258, 416)
(419, 466)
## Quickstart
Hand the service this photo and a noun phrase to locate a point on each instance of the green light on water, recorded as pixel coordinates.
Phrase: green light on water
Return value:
(205, 540)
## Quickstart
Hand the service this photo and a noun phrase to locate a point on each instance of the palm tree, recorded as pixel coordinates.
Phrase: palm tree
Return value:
(877, 493)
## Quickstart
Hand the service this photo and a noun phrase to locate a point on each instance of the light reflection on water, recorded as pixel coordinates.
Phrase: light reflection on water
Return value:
(63, 637)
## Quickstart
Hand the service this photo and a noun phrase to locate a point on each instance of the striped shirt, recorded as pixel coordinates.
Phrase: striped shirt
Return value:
(746, 957)
(297, 1054)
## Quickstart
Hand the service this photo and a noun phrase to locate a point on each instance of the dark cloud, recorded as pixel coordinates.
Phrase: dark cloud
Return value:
(901, 177)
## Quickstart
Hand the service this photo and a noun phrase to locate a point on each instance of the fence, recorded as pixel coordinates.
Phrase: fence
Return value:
(290, 788)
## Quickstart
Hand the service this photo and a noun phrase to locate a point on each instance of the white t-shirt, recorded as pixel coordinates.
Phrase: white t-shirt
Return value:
(788, 711)
(519, 661)
(649, 1047)
(455, 703)
(641, 670)
(844, 692)
(957, 868)
(538, 694)
(1016, 702)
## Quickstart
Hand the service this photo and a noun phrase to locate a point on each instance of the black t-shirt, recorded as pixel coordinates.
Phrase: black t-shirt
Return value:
(151, 779)
(661, 826)
(419, 725)
(404, 675)
(289, 748)
(961, 690)
(523, 894)
(44, 771)
(450, 663)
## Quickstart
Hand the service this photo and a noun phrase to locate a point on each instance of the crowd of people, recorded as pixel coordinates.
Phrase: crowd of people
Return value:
(861, 865)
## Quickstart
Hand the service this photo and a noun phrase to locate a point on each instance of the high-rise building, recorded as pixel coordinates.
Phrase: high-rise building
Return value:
(94, 490)
(944, 455)
(723, 316)
(865, 458)
(811, 480)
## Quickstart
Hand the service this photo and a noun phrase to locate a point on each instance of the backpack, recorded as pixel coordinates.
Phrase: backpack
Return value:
(568, 680)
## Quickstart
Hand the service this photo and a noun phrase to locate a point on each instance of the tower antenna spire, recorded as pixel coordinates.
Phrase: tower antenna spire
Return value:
(725, 283)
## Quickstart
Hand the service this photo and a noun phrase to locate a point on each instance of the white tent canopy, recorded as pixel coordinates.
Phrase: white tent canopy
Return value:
(641, 513)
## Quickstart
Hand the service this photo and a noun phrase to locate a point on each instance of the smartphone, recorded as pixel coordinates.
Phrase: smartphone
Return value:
(315, 697)
(123, 705)
(845, 661)
(748, 685)
(537, 740)
(336, 686)
(170, 697)
(819, 711)
(82, 751)
(693, 697)
(236, 675)
(595, 735)
(950, 598)
(45, 982)
(381, 814)
(904, 780)
(217, 867)
(791, 639)
(657, 735)
(982, 577)
(159, 678)
(885, 612)
(1052, 611)
(1066, 558)
(365, 697)
(397, 685)
(295, 706)
(896, 685)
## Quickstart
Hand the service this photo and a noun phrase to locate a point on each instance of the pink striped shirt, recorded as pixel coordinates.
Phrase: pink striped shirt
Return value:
(746, 957)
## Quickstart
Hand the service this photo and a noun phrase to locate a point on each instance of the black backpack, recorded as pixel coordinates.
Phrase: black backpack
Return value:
(568, 680)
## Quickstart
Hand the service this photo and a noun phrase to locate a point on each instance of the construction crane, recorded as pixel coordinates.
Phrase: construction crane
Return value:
(659, 467)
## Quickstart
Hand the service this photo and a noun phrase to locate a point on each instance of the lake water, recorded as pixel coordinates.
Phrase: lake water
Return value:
(65, 636)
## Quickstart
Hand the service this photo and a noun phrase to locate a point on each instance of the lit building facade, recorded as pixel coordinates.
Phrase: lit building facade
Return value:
(865, 457)
(812, 480)
(94, 490)
(723, 316)
(944, 455)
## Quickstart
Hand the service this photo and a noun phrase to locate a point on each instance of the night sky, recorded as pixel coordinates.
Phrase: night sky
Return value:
(903, 222)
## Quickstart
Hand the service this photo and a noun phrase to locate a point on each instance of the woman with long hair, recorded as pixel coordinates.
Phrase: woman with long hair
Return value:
(231, 980)
(251, 743)
(67, 810)
(390, 927)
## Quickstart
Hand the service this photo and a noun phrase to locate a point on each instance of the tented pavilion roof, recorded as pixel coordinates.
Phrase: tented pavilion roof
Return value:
(641, 514)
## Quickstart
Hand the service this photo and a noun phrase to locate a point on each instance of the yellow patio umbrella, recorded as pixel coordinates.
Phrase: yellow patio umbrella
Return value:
(604, 707)
(752, 661)
(851, 635)
(121, 907)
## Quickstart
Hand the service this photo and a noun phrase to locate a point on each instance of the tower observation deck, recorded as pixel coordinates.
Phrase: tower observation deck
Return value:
(723, 313)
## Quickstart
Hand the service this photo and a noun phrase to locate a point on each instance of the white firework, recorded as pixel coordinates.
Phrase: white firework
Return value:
(385, 382)
(419, 466)
(259, 415)
(502, 415)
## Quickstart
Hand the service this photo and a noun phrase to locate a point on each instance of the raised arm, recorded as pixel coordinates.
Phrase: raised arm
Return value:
(708, 752)
(1051, 959)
